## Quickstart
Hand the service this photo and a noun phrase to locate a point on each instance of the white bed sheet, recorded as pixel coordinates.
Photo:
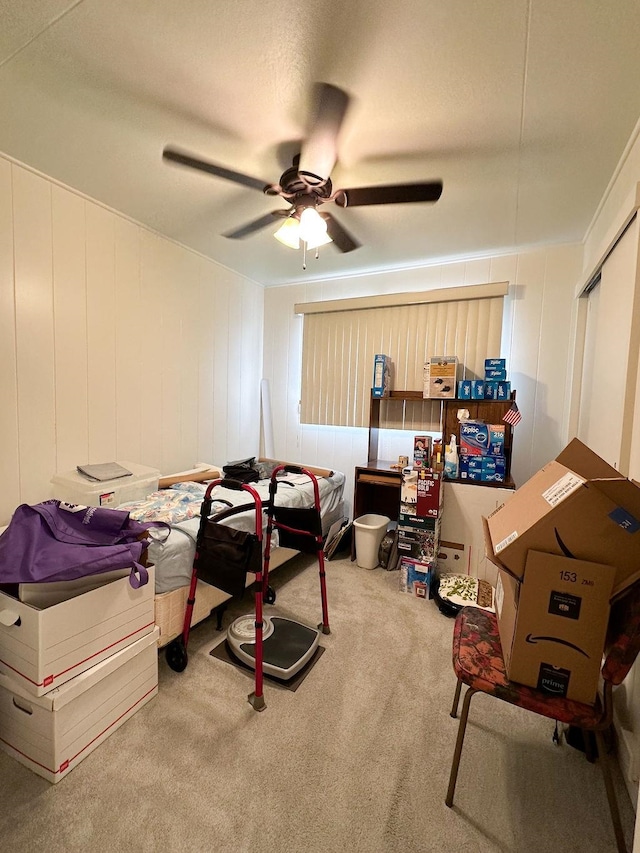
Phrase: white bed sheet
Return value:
(173, 557)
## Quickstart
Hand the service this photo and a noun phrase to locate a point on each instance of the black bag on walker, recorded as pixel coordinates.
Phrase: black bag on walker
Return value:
(225, 555)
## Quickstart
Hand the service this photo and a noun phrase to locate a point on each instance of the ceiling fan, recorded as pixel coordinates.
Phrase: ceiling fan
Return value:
(306, 185)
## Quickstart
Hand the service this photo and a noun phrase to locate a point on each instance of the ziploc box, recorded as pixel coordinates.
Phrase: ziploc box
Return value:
(495, 390)
(553, 624)
(493, 469)
(577, 505)
(474, 438)
(381, 375)
(495, 364)
(496, 439)
(493, 373)
(443, 377)
(464, 389)
(477, 389)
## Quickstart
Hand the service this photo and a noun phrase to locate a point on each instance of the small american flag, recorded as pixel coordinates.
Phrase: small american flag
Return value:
(512, 415)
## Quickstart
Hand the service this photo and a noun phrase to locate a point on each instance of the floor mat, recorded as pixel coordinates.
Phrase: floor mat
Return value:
(221, 652)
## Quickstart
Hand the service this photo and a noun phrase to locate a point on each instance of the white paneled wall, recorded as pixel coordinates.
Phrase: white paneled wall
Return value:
(115, 343)
(538, 326)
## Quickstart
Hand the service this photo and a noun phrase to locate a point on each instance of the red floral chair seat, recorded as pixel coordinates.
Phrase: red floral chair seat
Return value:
(478, 663)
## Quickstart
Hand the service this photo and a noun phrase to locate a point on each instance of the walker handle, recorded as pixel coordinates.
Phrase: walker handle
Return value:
(234, 485)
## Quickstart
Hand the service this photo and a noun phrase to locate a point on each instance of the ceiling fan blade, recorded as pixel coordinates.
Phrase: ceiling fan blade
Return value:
(219, 171)
(390, 194)
(340, 236)
(256, 225)
(320, 150)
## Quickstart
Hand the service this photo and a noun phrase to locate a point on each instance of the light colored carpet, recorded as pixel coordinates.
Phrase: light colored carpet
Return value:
(357, 759)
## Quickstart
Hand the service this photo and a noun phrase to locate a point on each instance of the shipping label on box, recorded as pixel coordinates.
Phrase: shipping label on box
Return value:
(553, 624)
(474, 438)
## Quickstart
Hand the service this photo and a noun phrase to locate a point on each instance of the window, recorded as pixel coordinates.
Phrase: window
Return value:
(341, 337)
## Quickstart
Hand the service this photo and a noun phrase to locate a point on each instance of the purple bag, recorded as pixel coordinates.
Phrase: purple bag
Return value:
(57, 541)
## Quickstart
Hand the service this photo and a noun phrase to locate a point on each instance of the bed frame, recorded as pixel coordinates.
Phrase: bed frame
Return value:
(170, 606)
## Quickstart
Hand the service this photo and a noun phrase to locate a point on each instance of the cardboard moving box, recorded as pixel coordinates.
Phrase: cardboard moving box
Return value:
(51, 734)
(553, 624)
(43, 649)
(577, 506)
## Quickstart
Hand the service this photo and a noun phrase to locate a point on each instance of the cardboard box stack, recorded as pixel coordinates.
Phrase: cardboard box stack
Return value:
(565, 545)
(77, 659)
(482, 452)
(494, 386)
(421, 496)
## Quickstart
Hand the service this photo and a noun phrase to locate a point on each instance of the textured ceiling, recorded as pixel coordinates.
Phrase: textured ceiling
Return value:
(522, 107)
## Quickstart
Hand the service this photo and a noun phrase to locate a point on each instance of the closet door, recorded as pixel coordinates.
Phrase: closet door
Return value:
(609, 377)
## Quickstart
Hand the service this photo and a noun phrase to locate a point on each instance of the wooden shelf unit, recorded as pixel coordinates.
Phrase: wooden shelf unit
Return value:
(377, 485)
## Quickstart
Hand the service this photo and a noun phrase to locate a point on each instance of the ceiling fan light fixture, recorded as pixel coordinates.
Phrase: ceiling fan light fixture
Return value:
(289, 233)
(320, 240)
(313, 228)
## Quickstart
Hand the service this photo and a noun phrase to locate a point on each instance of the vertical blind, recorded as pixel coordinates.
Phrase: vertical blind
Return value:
(339, 345)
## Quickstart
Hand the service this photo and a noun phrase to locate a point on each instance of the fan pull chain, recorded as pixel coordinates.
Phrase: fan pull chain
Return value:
(304, 254)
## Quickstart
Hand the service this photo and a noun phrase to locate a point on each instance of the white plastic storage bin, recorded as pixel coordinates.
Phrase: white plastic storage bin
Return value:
(43, 649)
(370, 530)
(75, 488)
(51, 734)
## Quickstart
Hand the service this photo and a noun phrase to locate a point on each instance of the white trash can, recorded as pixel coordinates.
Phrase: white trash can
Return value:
(370, 530)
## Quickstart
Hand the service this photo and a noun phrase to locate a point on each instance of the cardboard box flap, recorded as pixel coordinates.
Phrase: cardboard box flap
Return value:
(581, 459)
(488, 549)
(625, 496)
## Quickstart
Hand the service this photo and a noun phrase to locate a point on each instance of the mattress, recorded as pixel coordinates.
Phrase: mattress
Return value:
(173, 555)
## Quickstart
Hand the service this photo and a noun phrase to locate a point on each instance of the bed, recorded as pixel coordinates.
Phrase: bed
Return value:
(177, 502)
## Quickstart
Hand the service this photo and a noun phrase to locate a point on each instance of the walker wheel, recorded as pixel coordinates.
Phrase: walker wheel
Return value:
(270, 595)
(176, 655)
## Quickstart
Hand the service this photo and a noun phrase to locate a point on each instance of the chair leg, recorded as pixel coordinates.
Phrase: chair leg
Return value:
(611, 794)
(459, 741)
(456, 699)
